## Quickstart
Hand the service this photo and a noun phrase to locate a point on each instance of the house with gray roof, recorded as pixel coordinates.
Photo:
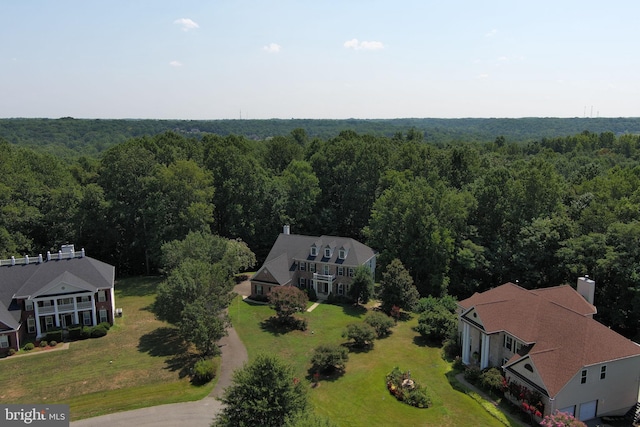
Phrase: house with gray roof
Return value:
(42, 294)
(553, 353)
(325, 264)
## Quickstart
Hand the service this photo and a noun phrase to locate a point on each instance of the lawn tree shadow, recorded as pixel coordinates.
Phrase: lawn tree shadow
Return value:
(314, 375)
(421, 341)
(358, 348)
(276, 327)
(354, 310)
(166, 342)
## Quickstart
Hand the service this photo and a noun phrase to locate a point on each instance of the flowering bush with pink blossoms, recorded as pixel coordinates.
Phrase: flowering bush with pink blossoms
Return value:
(561, 419)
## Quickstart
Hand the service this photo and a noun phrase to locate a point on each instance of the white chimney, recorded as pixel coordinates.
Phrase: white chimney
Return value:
(587, 288)
(286, 229)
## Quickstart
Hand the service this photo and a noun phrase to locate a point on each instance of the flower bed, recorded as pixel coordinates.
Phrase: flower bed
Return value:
(407, 390)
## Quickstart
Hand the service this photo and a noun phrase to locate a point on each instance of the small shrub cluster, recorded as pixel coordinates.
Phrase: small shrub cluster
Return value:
(406, 390)
(11, 351)
(311, 294)
(55, 335)
(472, 374)
(491, 379)
(43, 344)
(98, 331)
(380, 322)
(530, 400)
(259, 298)
(329, 357)
(362, 334)
(204, 370)
(561, 419)
(53, 343)
(28, 346)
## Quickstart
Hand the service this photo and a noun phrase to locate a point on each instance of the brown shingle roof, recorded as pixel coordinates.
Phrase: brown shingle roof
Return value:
(565, 338)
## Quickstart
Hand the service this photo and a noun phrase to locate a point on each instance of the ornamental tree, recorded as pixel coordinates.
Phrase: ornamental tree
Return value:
(561, 419)
(329, 357)
(286, 301)
(263, 393)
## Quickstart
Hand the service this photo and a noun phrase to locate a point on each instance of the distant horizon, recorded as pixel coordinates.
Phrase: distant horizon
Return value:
(319, 118)
(331, 60)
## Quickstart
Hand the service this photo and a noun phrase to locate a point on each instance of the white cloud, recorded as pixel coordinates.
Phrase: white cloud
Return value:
(364, 45)
(272, 48)
(175, 64)
(186, 24)
(491, 33)
(483, 76)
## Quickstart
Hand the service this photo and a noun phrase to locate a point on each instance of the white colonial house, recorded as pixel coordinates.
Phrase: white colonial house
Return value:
(39, 294)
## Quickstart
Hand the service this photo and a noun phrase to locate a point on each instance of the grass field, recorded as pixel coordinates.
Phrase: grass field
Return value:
(359, 397)
(140, 363)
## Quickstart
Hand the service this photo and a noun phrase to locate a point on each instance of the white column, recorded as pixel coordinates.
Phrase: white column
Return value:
(465, 343)
(35, 308)
(75, 310)
(56, 319)
(484, 357)
(93, 309)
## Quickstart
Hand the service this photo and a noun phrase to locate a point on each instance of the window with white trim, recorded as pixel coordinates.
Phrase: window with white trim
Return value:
(303, 266)
(102, 296)
(325, 269)
(518, 346)
(312, 267)
(342, 254)
(351, 271)
(48, 323)
(259, 290)
(103, 315)
(508, 342)
(28, 305)
(583, 376)
(31, 325)
(327, 252)
(86, 318)
(302, 282)
(340, 289)
(314, 250)
(4, 341)
(340, 270)
(603, 372)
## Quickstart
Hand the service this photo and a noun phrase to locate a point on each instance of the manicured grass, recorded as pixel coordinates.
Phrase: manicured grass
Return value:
(141, 362)
(359, 397)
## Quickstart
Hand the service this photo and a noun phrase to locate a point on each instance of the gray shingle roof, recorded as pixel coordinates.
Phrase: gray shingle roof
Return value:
(23, 281)
(289, 248)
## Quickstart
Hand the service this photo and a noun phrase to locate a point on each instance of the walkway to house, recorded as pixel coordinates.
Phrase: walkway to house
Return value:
(313, 307)
(22, 353)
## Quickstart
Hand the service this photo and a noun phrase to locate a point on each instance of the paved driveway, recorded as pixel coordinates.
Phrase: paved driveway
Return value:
(189, 414)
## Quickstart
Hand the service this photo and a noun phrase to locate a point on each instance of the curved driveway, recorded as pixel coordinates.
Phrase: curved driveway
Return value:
(192, 414)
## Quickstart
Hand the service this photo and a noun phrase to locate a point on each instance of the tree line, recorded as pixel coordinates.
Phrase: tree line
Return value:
(461, 217)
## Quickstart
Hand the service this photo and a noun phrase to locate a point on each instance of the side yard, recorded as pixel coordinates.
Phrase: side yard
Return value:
(140, 363)
(359, 397)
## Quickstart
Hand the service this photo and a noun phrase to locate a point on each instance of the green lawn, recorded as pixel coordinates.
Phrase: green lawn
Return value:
(359, 397)
(139, 363)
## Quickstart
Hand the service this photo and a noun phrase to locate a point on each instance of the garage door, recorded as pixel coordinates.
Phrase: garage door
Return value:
(588, 410)
(569, 410)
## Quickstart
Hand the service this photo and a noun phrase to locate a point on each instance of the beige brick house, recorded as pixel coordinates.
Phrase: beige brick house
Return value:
(547, 341)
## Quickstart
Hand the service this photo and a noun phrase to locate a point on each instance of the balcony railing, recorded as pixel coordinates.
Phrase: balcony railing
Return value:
(324, 277)
(47, 309)
(84, 305)
(65, 307)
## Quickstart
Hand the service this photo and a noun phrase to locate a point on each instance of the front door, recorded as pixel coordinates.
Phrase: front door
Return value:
(66, 320)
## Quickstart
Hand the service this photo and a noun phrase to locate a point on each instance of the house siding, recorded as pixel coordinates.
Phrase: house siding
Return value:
(615, 394)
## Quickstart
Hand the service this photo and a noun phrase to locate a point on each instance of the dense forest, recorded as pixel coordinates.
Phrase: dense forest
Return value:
(463, 214)
(71, 137)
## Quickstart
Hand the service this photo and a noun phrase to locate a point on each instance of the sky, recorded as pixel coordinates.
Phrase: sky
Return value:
(241, 59)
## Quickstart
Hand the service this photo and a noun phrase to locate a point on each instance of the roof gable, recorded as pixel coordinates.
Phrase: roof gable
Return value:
(563, 335)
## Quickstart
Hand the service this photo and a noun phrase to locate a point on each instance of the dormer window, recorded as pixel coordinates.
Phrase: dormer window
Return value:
(327, 252)
(314, 250)
(342, 253)
(28, 305)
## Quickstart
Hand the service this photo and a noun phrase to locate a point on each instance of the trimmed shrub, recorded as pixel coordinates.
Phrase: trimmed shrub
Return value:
(85, 332)
(361, 334)
(472, 374)
(54, 335)
(329, 357)
(311, 293)
(106, 325)
(75, 332)
(53, 343)
(43, 344)
(11, 351)
(380, 322)
(98, 331)
(28, 346)
(491, 379)
(204, 370)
